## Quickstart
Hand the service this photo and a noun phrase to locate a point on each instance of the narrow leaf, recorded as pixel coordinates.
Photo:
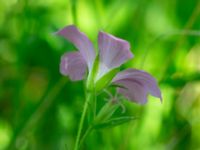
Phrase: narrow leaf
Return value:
(114, 122)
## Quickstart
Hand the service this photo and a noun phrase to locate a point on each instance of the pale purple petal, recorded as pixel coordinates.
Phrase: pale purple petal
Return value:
(81, 42)
(137, 85)
(113, 51)
(132, 90)
(73, 65)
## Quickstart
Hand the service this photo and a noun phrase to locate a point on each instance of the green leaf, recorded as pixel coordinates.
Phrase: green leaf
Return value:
(106, 79)
(106, 112)
(114, 122)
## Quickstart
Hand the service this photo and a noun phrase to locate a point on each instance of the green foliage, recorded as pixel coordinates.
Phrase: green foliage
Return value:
(105, 80)
(114, 122)
(40, 110)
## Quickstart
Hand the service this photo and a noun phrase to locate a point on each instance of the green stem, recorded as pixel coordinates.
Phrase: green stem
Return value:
(74, 11)
(85, 135)
(89, 97)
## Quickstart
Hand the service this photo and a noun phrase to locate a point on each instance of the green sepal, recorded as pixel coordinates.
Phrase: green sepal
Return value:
(92, 74)
(118, 86)
(90, 89)
(114, 122)
(106, 112)
(105, 80)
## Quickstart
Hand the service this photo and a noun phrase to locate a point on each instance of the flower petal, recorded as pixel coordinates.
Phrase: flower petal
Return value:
(73, 65)
(81, 42)
(137, 85)
(133, 91)
(113, 52)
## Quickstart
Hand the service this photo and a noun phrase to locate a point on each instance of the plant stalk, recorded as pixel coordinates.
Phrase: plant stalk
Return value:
(85, 135)
(89, 97)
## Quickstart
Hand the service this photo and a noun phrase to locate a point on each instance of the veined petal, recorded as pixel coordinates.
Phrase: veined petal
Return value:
(73, 65)
(133, 91)
(81, 42)
(113, 52)
(137, 85)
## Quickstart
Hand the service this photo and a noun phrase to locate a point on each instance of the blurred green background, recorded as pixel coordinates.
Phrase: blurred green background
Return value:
(40, 110)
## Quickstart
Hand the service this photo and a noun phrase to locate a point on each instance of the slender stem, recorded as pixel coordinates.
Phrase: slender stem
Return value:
(89, 97)
(85, 135)
(95, 105)
(74, 11)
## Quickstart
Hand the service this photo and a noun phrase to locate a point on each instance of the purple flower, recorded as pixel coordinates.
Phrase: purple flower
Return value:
(74, 64)
(136, 85)
(113, 52)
